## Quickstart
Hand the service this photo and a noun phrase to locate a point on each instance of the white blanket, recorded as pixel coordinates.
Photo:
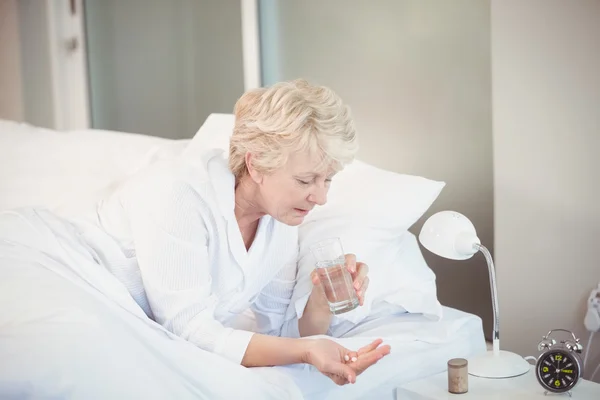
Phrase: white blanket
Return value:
(68, 329)
(420, 348)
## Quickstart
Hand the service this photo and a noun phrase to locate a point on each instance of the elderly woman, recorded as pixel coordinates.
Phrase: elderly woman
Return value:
(203, 238)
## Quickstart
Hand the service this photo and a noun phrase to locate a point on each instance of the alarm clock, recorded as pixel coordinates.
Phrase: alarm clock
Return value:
(559, 367)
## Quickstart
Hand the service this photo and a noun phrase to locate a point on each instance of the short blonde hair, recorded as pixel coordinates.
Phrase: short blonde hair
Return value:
(289, 117)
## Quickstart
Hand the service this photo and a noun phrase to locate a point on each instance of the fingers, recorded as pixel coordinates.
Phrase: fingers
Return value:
(352, 356)
(384, 350)
(314, 277)
(359, 272)
(369, 355)
(361, 282)
(338, 380)
(364, 287)
(363, 270)
(370, 347)
(351, 263)
(366, 360)
(344, 371)
(359, 361)
(360, 293)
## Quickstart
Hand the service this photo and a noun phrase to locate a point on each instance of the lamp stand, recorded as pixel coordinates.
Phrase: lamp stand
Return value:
(496, 363)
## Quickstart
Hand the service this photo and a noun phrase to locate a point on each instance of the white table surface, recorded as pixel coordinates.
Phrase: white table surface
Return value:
(524, 387)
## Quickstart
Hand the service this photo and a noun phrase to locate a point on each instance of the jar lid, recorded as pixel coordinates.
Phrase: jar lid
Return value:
(457, 363)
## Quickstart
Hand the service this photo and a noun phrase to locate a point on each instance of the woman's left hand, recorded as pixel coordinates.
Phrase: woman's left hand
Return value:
(360, 280)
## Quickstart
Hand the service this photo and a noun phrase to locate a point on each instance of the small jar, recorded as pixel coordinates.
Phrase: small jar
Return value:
(458, 376)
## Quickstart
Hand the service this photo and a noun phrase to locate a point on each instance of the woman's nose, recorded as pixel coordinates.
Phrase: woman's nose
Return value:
(319, 196)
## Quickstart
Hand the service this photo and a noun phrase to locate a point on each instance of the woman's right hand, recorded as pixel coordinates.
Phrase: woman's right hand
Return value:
(340, 364)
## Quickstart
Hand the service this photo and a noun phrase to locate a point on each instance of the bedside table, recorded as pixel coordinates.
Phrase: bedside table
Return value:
(524, 387)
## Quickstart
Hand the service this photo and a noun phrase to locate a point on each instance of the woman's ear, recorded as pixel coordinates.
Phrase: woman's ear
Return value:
(255, 175)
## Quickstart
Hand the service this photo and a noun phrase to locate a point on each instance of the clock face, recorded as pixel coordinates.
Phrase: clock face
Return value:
(557, 370)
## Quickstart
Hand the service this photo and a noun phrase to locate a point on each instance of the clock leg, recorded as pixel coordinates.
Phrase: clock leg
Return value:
(569, 393)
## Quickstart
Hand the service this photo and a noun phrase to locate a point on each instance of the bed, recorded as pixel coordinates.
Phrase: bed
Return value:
(63, 337)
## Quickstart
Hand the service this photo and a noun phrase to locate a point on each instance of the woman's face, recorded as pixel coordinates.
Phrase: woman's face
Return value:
(289, 193)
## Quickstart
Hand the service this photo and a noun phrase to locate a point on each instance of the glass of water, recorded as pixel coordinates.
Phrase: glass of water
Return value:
(334, 275)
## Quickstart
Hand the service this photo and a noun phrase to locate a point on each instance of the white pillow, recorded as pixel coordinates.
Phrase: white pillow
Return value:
(378, 198)
(214, 133)
(371, 210)
(45, 167)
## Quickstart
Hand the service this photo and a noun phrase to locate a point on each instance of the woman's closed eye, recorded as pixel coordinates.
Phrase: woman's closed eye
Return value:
(305, 181)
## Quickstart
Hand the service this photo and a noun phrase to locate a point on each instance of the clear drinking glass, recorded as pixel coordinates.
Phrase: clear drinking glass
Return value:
(334, 275)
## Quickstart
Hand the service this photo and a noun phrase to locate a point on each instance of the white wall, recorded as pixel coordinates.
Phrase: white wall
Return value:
(35, 63)
(417, 76)
(11, 96)
(546, 105)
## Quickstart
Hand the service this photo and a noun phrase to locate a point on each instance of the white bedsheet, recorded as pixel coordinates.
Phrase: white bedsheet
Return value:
(68, 329)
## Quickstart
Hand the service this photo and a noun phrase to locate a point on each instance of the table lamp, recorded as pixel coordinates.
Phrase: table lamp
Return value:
(451, 235)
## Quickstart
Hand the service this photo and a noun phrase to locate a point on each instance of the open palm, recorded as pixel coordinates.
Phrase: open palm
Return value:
(342, 365)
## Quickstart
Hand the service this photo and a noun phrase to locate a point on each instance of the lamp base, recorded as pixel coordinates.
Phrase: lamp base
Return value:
(498, 364)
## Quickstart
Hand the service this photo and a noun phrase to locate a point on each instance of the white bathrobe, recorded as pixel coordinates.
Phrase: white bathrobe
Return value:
(184, 261)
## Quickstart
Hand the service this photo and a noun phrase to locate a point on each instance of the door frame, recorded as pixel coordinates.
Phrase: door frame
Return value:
(251, 44)
(68, 63)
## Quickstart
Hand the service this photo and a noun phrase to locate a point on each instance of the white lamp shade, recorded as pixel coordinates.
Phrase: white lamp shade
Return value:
(449, 234)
